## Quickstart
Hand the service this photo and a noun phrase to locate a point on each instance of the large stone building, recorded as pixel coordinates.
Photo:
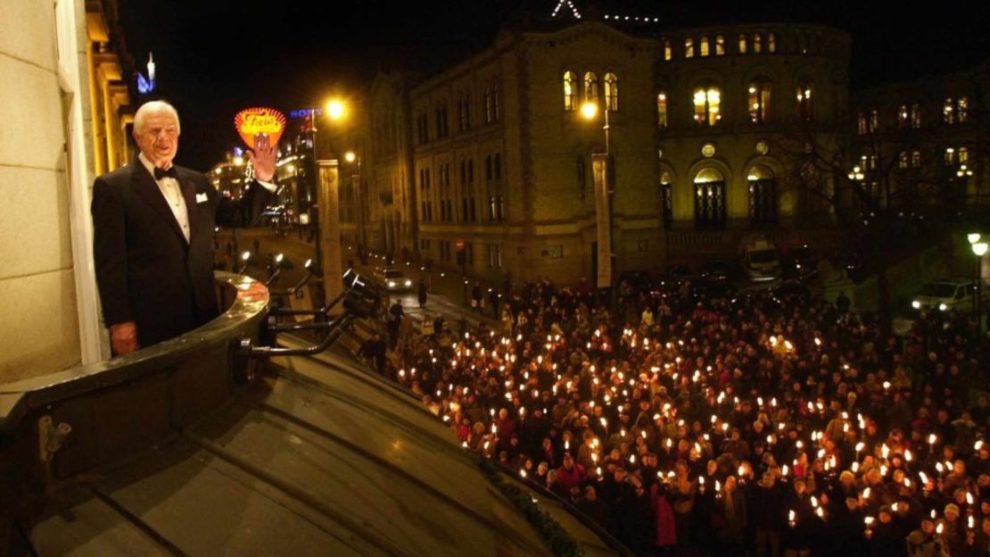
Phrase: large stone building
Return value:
(493, 156)
(64, 109)
(925, 141)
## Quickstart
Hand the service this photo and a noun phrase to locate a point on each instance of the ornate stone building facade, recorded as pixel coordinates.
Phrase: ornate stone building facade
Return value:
(64, 110)
(925, 141)
(492, 157)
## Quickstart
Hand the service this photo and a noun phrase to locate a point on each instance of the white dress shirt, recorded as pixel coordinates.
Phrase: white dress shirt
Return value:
(172, 192)
(173, 196)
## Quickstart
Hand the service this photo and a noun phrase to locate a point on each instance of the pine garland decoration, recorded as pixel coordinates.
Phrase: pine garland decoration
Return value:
(553, 535)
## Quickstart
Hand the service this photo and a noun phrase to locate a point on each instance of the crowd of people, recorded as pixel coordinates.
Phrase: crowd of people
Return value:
(691, 423)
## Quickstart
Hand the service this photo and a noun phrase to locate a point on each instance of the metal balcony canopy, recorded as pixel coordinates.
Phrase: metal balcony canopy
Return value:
(313, 459)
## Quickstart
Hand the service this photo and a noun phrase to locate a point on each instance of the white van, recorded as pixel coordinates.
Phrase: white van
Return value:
(761, 260)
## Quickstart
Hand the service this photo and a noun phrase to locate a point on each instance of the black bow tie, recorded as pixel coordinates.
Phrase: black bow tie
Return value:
(159, 173)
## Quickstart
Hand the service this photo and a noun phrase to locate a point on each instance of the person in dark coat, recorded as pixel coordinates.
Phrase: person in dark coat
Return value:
(768, 515)
(153, 227)
(592, 506)
(373, 350)
(422, 294)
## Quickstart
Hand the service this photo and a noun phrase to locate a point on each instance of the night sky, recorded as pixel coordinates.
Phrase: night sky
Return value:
(215, 57)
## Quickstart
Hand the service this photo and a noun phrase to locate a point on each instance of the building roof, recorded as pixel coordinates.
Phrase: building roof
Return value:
(316, 460)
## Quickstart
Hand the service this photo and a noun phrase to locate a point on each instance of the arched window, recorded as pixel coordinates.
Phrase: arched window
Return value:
(611, 92)
(759, 101)
(489, 114)
(757, 43)
(762, 195)
(570, 90)
(668, 51)
(709, 198)
(915, 115)
(497, 101)
(805, 100)
(719, 45)
(703, 45)
(707, 103)
(591, 87)
(903, 160)
(689, 47)
(771, 43)
(743, 43)
(662, 117)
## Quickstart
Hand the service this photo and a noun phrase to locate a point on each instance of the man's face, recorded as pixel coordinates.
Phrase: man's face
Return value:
(158, 138)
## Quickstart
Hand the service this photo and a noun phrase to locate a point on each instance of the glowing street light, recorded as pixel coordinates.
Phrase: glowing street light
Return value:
(336, 109)
(349, 156)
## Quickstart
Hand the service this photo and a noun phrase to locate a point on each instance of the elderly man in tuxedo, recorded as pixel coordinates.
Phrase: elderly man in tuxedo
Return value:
(153, 234)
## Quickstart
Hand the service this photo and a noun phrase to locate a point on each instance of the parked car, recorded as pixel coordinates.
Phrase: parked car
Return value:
(761, 260)
(394, 280)
(790, 291)
(800, 262)
(716, 270)
(945, 295)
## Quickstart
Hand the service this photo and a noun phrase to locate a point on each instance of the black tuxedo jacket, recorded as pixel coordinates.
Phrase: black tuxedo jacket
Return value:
(145, 269)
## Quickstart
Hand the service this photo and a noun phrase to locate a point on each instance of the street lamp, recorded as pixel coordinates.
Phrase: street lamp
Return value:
(603, 204)
(979, 250)
(327, 226)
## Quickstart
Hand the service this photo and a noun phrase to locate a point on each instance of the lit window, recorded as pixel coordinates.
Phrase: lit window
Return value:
(662, 109)
(570, 90)
(948, 111)
(860, 123)
(757, 43)
(743, 43)
(703, 45)
(771, 43)
(719, 45)
(950, 156)
(668, 51)
(709, 198)
(915, 115)
(611, 92)
(874, 120)
(962, 106)
(903, 117)
(591, 87)
(707, 101)
(903, 160)
(689, 47)
(962, 155)
(805, 102)
(759, 101)
(915, 159)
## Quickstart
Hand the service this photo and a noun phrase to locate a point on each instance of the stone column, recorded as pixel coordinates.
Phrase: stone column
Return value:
(328, 200)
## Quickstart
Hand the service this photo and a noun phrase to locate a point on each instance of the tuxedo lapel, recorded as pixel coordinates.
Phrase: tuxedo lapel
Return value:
(146, 187)
(189, 194)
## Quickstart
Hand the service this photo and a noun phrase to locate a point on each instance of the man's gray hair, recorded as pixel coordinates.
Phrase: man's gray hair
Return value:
(154, 107)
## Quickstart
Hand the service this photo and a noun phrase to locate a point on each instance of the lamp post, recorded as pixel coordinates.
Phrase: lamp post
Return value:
(327, 218)
(604, 192)
(979, 250)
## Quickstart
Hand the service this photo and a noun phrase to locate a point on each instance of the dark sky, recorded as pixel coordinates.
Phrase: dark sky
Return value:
(215, 57)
